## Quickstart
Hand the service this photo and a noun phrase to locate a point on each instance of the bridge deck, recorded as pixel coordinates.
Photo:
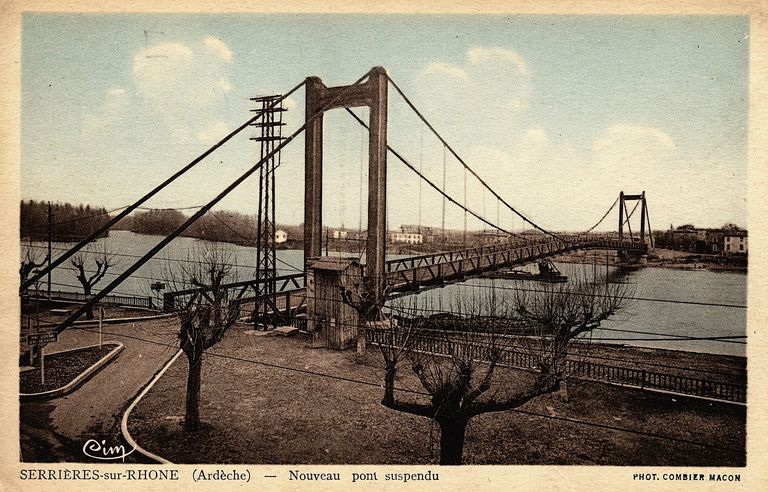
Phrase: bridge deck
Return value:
(411, 274)
(420, 271)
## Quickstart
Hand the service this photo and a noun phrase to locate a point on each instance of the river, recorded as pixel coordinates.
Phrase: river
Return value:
(689, 314)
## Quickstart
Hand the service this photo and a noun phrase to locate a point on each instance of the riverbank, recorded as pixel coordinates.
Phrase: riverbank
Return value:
(661, 258)
(254, 407)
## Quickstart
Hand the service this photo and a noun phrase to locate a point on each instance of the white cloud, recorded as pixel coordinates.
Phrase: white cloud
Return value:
(490, 87)
(175, 79)
(218, 47)
(623, 136)
(116, 98)
(162, 67)
(174, 74)
(224, 84)
(290, 103)
(116, 102)
(516, 103)
(532, 147)
(446, 69)
(635, 158)
(479, 55)
(213, 132)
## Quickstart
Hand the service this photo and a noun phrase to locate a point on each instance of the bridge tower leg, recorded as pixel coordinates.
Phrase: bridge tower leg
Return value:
(319, 98)
(621, 216)
(642, 218)
(632, 256)
(313, 172)
(377, 185)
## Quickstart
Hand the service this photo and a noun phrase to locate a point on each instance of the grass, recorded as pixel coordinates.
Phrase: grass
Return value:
(62, 368)
(259, 414)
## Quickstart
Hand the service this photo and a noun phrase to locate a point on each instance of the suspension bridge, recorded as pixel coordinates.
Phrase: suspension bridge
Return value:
(379, 277)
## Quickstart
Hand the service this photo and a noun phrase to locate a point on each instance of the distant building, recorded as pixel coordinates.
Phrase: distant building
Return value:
(696, 240)
(348, 234)
(735, 243)
(406, 237)
(418, 229)
(490, 236)
(280, 236)
(339, 233)
(532, 234)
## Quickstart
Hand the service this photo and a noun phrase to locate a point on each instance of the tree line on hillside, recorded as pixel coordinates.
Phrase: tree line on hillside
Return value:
(222, 226)
(68, 222)
(76, 222)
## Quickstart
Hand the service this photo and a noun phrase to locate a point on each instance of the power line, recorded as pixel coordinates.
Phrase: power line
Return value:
(77, 219)
(671, 336)
(683, 337)
(689, 339)
(246, 239)
(634, 298)
(422, 393)
(157, 189)
(180, 260)
(178, 209)
(234, 184)
(60, 284)
(458, 284)
(629, 431)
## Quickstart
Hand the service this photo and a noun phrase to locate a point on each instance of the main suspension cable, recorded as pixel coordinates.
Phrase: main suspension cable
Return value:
(162, 244)
(603, 217)
(466, 166)
(433, 185)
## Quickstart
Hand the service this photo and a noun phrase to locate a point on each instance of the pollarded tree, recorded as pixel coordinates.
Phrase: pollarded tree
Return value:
(205, 315)
(466, 369)
(362, 298)
(87, 275)
(31, 260)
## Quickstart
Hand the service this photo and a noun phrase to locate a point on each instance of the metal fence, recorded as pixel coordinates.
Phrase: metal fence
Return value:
(119, 300)
(640, 378)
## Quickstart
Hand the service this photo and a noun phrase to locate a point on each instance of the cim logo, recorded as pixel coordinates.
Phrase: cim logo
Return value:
(100, 451)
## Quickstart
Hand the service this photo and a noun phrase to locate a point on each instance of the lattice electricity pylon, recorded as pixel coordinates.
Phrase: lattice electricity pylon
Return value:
(265, 311)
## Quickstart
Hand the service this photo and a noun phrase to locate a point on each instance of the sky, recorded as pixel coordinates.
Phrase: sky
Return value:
(557, 113)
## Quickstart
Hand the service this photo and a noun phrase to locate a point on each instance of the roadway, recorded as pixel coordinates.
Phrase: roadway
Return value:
(56, 430)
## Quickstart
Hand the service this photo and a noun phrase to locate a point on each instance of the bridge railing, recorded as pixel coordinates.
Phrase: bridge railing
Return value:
(76, 297)
(412, 273)
(572, 241)
(637, 377)
(285, 284)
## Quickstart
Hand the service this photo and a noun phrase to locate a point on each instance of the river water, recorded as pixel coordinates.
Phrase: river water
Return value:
(689, 314)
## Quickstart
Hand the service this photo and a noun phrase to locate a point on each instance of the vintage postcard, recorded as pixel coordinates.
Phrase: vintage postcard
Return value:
(376, 245)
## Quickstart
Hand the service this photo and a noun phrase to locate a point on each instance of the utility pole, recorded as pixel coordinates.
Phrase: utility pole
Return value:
(642, 217)
(50, 237)
(442, 223)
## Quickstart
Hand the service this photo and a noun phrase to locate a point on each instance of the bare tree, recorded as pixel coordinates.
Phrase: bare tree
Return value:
(31, 260)
(205, 315)
(495, 352)
(363, 299)
(88, 277)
